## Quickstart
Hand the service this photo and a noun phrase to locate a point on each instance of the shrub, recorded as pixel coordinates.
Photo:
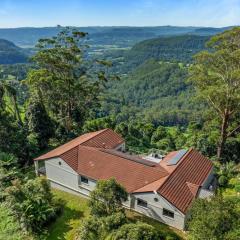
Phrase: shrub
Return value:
(99, 228)
(114, 221)
(106, 199)
(214, 219)
(90, 229)
(32, 203)
(137, 231)
(223, 181)
(237, 188)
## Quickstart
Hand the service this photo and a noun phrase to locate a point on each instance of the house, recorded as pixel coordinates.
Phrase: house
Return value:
(160, 187)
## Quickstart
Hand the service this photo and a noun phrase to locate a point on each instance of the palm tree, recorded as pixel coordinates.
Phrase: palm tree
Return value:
(7, 160)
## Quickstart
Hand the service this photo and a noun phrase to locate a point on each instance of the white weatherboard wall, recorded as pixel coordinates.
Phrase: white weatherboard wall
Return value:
(155, 209)
(62, 176)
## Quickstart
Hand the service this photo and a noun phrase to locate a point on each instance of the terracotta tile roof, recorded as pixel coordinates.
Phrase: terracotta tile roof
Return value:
(166, 159)
(108, 139)
(104, 138)
(98, 164)
(177, 183)
(193, 188)
(154, 186)
(71, 158)
(179, 187)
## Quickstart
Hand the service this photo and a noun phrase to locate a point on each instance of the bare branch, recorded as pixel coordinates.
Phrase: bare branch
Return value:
(233, 131)
(215, 106)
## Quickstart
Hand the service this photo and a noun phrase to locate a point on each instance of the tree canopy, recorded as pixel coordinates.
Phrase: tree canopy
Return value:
(216, 76)
(215, 219)
(107, 198)
(67, 84)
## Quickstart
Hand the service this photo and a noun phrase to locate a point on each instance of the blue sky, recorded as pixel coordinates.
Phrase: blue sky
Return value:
(214, 13)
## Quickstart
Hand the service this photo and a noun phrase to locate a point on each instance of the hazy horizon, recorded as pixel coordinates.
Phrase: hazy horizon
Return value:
(119, 26)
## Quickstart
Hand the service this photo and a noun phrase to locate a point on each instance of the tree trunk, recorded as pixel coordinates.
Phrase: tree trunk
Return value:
(223, 136)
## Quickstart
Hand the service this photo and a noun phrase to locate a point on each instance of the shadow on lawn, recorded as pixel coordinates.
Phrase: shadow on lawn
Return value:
(63, 224)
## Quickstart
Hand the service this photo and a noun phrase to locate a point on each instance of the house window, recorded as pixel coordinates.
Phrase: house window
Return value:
(84, 180)
(168, 213)
(142, 203)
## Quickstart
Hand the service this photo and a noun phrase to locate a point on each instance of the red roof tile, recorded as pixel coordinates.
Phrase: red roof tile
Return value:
(166, 159)
(93, 139)
(107, 139)
(71, 158)
(154, 186)
(193, 188)
(98, 164)
(178, 188)
(91, 155)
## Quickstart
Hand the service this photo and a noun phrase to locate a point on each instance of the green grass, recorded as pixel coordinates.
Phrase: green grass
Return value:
(9, 227)
(76, 209)
(66, 225)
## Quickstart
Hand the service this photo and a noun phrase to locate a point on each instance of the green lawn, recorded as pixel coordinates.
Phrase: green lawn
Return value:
(76, 209)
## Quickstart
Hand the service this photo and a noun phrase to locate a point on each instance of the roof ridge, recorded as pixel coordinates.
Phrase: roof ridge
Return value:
(99, 132)
(193, 184)
(152, 182)
(75, 139)
(189, 185)
(181, 161)
(144, 162)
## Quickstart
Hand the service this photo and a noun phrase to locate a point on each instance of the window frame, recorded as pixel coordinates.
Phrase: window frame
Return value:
(144, 205)
(82, 178)
(168, 213)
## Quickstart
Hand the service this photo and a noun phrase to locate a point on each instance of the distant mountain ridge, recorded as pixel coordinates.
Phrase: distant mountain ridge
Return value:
(10, 53)
(27, 37)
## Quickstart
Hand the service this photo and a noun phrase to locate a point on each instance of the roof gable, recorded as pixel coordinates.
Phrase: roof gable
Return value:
(107, 139)
(104, 138)
(179, 187)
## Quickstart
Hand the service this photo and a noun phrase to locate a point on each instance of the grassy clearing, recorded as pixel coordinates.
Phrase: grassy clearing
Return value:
(76, 209)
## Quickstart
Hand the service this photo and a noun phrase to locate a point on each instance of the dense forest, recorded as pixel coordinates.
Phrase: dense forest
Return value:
(161, 94)
(178, 48)
(10, 53)
(155, 91)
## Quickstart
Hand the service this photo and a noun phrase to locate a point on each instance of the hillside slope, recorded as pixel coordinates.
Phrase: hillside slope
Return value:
(10, 53)
(174, 48)
(155, 91)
